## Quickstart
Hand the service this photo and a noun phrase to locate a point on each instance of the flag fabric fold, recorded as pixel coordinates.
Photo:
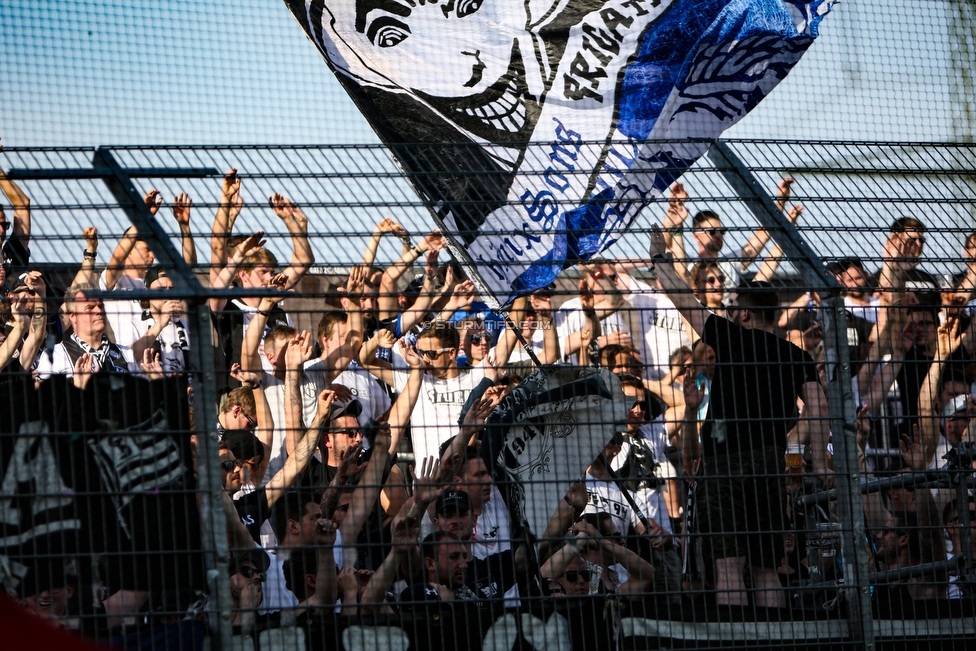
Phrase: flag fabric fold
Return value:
(617, 97)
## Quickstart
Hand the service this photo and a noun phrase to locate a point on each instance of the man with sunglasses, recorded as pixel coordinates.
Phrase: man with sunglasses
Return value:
(248, 572)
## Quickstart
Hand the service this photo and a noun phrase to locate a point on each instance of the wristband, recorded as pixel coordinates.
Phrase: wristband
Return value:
(90, 255)
(676, 230)
(263, 313)
(659, 257)
(416, 250)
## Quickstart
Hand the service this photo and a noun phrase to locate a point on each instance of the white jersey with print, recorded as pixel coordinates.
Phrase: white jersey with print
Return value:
(174, 341)
(662, 330)
(121, 313)
(274, 393)
(363, 386)
(570, 318)
(249, 314)
(435, 418)
(605, 497)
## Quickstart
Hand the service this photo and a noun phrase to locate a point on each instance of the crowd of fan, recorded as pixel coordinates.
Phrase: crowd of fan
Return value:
(322, 514)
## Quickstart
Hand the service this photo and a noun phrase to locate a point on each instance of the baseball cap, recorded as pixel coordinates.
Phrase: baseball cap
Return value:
(154, 274)
(257, 556)
(16, 283)
(958, 404)
(453, 499)
(354, 409)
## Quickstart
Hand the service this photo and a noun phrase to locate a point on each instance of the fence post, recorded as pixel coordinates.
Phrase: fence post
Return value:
(840, 396)
(213, 529)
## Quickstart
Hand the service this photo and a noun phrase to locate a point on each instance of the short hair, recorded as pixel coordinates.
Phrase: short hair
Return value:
(471, 453)
(290, 507)
(699, 271)
(260, 258)
(300, 564)
(72, 292)
(429, 545)
(904, 224)
(242, 397)
(444, 332)
(628, 380)
(328, 323)
(607, 353)
(279, 333)
(702, 216)
(760, 298)
(907, 522)
(837, 267)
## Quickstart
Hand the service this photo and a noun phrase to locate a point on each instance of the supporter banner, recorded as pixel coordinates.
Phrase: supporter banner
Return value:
(541, 438)
(610, 90)
(105, 473)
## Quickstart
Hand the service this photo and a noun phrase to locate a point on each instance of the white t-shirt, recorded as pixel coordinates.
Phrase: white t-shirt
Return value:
(651, 501)
(661, 328)
(121, 313)
(174, 340)
(731, 269)
(59, 363)
(249, 314)
(570, 318)
(363, 386)
(435, 418)
(868, 312)
(605, 497)
(274, 393)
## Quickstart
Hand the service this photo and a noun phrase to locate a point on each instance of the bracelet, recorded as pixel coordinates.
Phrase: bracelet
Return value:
(416, 250)
(659, 257)
(263, 313)
(676, 230)
(90, 255)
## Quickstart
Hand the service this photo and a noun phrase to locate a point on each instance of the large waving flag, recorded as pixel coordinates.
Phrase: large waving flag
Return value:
(613, 94)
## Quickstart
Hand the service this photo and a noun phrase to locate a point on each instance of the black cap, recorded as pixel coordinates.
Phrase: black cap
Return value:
(243, 443)
(354, 409)
(17, 283)
(154, 274)
(458, 500)
(257, 556)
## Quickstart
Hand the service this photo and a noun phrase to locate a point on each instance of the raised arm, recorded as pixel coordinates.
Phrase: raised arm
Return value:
(407, 400)
(181, 213)
(37, 332)
(86, 273)
(300, 456)
(387, 299)
(297, 224)
(262, 411)
(250, 349)
(950, 339)
(13, 341)
(674, 285)
(385, 226)
(754, 247)
(22, 209)
(116, 265)
(772, 261)
(225, 277)
(228, 209)
(296, 353)
(380, 369)
(365, 497)
(404, 532)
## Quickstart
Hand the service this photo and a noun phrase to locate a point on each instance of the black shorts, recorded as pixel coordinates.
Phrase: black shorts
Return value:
(742, 506)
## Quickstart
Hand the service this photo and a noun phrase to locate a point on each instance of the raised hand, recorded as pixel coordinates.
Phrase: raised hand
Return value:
(82, 371)
(949, 337)
(793, 214)
(430, 264)
(244, 377)
(249, 246)
(577, 496)
(385, 338)
(153, 200)
(435, 241)
(784, 193)
(283, 207)
(150, 364)
(658, 245)
(299, 351)
(913, 451)
(325, 400)
(426, 488)
(342, 393)
(91, 238)
(231, 185)
(181, 209)
(694, 395)
(410, 354)
(676, 212)
(349, 465)
(325, 532)
(404, 531)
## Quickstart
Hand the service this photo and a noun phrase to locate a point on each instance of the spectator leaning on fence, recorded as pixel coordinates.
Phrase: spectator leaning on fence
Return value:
(758, 379)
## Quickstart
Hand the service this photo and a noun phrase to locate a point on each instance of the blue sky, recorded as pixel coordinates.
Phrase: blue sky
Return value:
(203, 72)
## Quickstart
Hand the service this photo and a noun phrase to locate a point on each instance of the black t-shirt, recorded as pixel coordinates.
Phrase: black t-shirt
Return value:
(488, 579)
(253, 509)
(16, 256)
(758, 377)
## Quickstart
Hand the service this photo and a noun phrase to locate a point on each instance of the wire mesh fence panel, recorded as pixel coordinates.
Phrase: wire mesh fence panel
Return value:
(306, 426)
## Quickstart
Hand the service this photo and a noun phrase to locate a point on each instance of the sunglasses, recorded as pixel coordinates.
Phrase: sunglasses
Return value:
(477, 339)
(432, 354)
(4, 225)
(251, 423)
(351, 432)
(249, 572)
(712, 232)
(230, 466)
(573, 575)
(715, 279)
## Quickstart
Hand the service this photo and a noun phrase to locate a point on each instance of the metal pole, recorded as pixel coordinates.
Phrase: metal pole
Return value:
(201, 370)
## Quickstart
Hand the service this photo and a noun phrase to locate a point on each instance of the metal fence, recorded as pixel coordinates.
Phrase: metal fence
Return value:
(116, 494)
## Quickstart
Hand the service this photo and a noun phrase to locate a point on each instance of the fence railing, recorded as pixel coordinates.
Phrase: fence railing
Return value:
(666, 479)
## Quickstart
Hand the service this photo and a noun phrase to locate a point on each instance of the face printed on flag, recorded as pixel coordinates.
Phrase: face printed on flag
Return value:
(612, 93)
